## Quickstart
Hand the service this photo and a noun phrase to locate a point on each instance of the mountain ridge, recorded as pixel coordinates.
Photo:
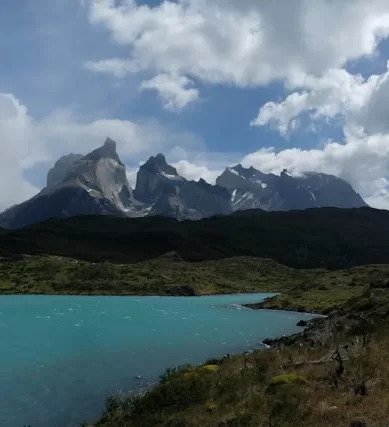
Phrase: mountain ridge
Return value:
(312, 238)
(97, 184)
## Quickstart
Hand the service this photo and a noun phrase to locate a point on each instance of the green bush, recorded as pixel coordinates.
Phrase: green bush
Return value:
(283, 379)
(177, 392)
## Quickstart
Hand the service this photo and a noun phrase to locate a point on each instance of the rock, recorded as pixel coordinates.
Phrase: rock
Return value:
(252, 189)
(156, 178)
(302, 323)
(61, 169)
(160, 186)
(183, 290)
(96, 184)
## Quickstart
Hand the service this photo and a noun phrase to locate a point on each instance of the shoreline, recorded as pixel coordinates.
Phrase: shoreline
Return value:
(103, 294)
(267, 345)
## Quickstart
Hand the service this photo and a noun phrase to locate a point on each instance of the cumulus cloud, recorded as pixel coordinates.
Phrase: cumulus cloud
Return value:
(119, 68)
(194, 171)
(357, 101)
(14, 123)
(245, 43)
(175, 91)
(363, 161)
(26, 142)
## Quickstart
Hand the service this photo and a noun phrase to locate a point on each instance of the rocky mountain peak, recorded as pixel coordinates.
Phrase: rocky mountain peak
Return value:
(238, 168)
(61, 169)
(96, 184)
(159, 165)
(160, 159)
(106, 151)
(156, 177)
(100, 174)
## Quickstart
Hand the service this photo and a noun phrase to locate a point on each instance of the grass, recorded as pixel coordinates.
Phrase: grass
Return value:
(299, 383)
(328, 291)
(305, 290)
(165, 276)
(296, 382)
(242, 393)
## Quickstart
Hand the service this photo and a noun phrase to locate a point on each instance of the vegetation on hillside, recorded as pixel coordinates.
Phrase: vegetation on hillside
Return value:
(303, 290)
(164, 276)
(315, 238)
(335, 374)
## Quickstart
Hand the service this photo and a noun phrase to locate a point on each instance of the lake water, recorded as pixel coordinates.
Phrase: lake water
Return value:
(62, 356)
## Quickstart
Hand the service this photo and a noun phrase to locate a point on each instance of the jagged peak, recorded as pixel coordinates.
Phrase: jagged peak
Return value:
(110, 144)
(246, 173)
(107, 150)
(158, 164)
(238, 167)
(285, 174)
(159, 161)
(160, 158)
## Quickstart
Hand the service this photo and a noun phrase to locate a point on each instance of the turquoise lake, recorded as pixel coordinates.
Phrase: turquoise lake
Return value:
(62, 356)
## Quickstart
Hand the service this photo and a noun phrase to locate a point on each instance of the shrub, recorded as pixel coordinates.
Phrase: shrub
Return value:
(285, 379)
(177, 391)
(209, 368)
(210, 406)
(286, 404)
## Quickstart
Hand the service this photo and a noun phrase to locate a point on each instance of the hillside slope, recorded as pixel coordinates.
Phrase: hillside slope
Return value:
(327, 237)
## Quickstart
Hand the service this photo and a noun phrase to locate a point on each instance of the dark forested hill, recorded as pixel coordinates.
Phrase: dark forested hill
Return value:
(326, 237)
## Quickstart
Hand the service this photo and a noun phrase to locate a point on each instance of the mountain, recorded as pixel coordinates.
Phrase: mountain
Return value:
(252, 189)
(96, 184)
(169, 194)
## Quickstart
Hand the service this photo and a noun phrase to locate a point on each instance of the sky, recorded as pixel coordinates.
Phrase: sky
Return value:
(301, 85)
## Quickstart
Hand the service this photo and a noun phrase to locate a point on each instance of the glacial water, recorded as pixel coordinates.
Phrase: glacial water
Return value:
(62, 356)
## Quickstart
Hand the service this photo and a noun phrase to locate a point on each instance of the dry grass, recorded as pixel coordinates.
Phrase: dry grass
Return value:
(247, 390)
(238, 394)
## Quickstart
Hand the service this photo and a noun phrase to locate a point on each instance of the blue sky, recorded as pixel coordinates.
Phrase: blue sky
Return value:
(287, 84)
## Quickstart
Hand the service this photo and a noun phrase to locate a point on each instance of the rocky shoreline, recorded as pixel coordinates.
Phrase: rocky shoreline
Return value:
(303, 337)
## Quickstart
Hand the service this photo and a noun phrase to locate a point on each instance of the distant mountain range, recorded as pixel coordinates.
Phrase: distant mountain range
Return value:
(96, 184)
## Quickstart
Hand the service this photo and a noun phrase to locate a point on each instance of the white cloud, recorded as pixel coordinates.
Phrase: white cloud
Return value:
(131, 176)
(363, 161)
(175, 91)
(245, 43)
(63, 133)
(250, 43)
(194, 172)
(14, 123)
(115, 66)
(358, 101)
(26, 142)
